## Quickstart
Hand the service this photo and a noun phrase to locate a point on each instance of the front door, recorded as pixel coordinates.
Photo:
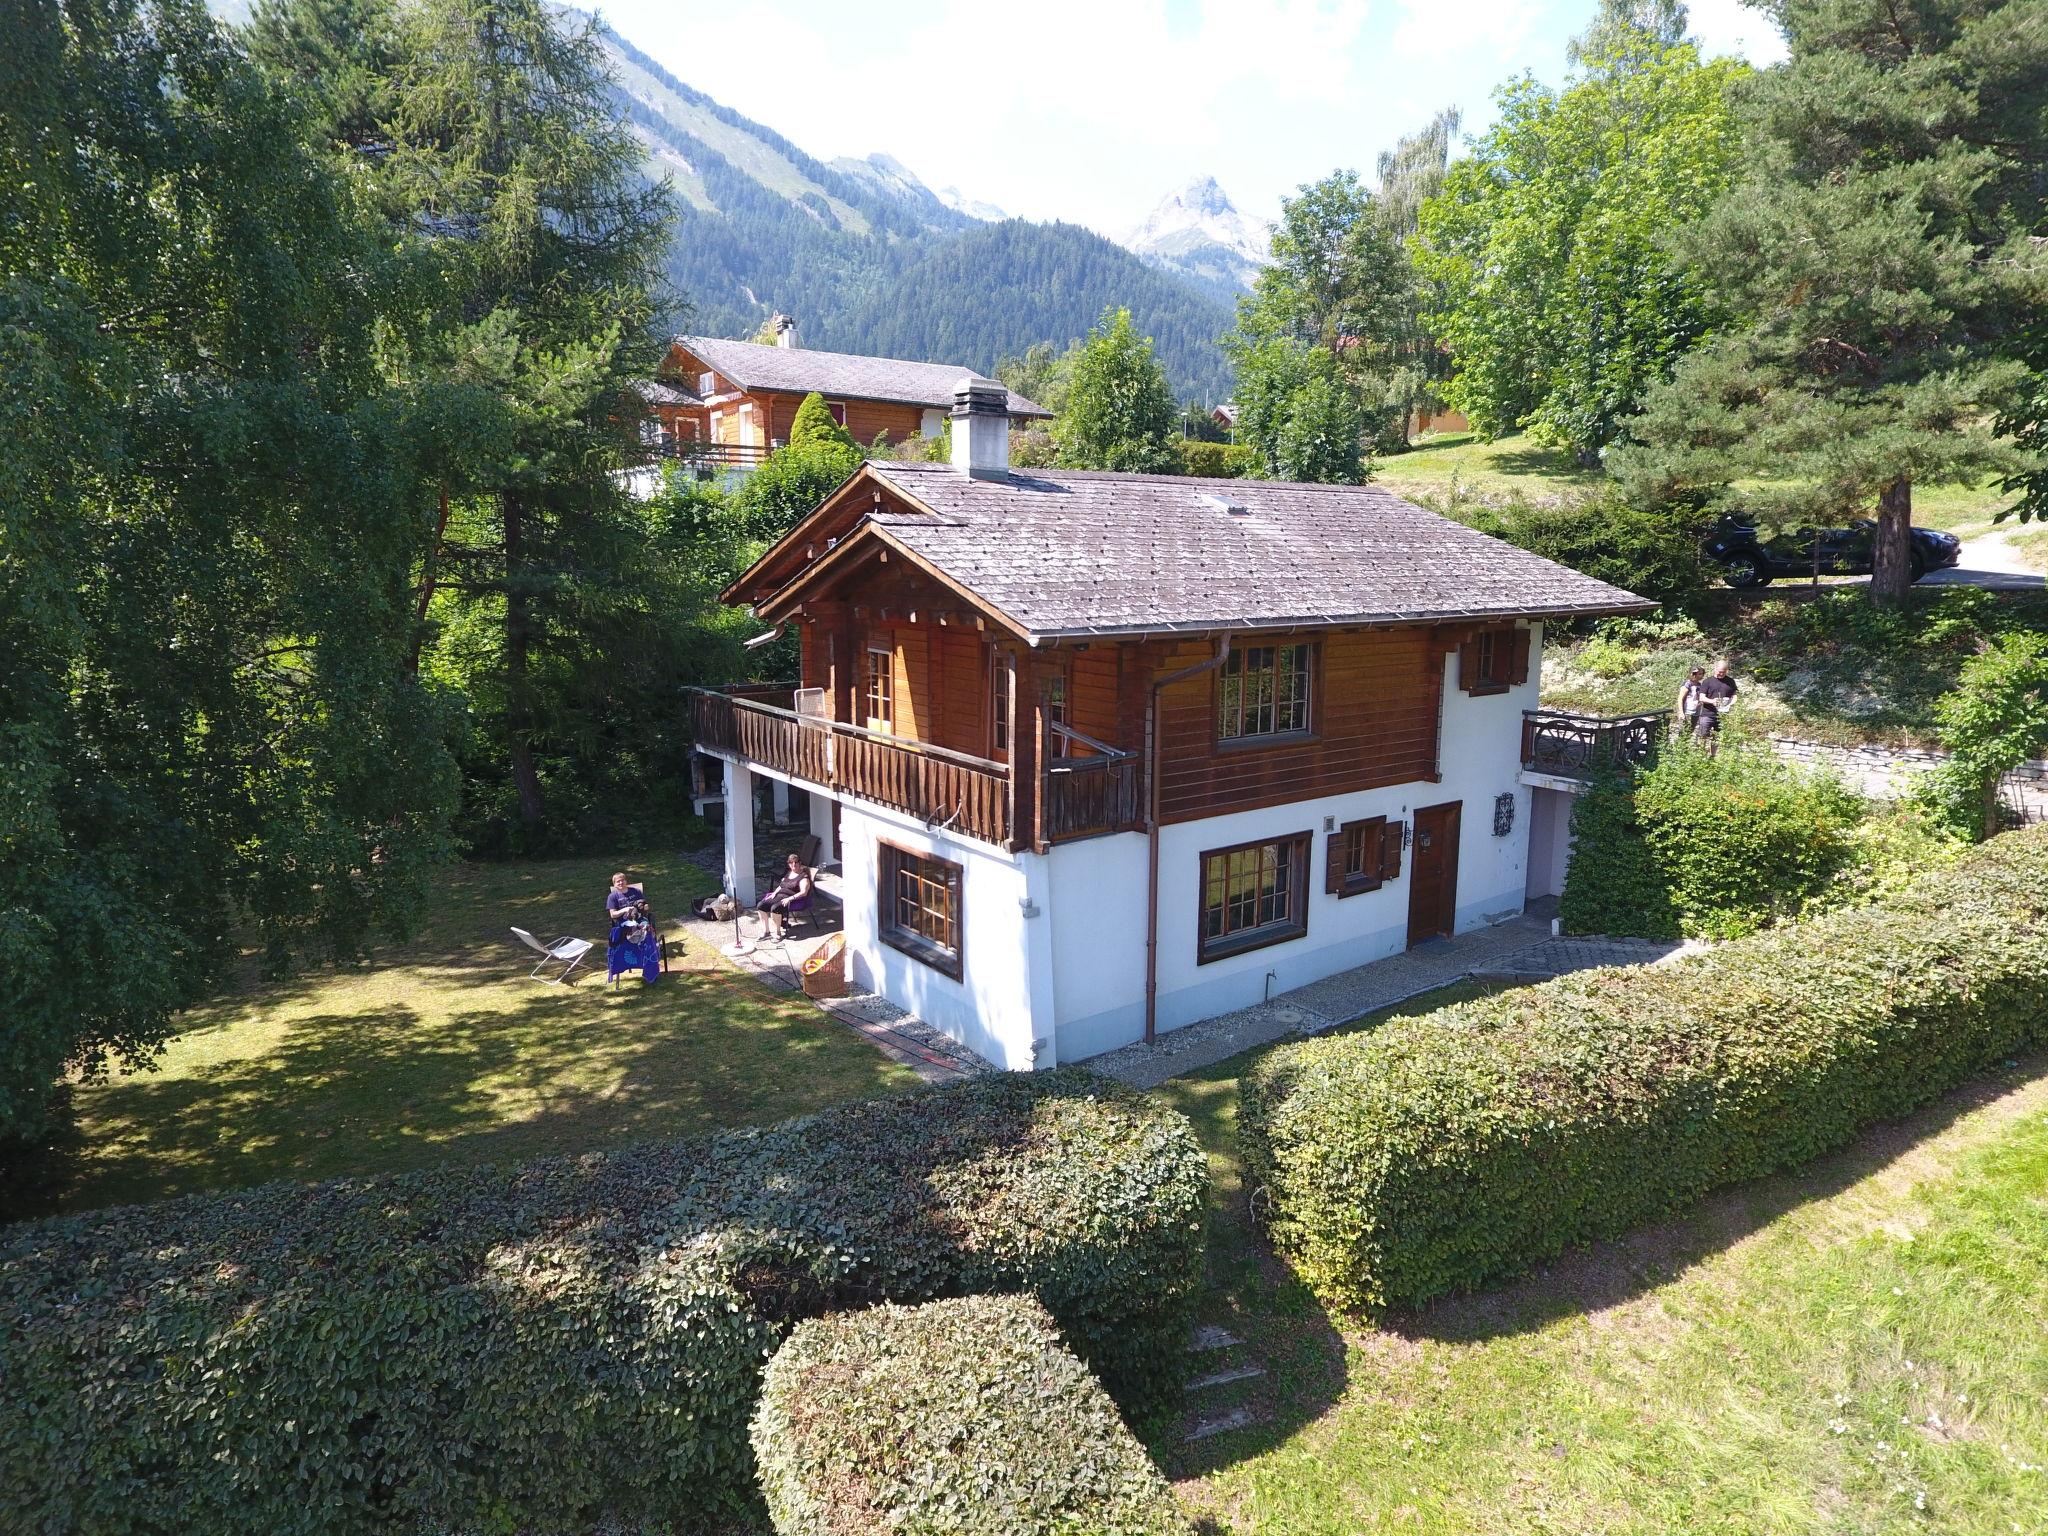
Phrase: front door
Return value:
(1433, 874)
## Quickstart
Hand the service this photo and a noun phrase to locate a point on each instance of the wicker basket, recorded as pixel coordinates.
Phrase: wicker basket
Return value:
(824, 974)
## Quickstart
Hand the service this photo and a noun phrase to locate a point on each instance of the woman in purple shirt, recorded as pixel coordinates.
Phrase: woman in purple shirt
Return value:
(632, 933)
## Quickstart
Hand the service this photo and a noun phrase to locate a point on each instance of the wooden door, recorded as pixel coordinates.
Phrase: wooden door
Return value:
(1433, 873)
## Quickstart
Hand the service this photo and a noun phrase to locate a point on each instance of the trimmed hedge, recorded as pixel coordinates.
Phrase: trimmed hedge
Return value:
(1438, 1153)
(531, 1347)
(965, 1416)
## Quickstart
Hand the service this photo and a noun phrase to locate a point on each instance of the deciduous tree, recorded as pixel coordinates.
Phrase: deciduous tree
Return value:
(208, 527)
(1549, 246)
(1119, 412)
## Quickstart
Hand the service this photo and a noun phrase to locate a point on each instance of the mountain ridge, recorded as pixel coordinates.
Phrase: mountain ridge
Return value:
(1197, 232)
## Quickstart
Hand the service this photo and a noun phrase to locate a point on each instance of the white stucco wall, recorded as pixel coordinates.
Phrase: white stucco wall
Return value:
(1005, 962)
(1098, 888)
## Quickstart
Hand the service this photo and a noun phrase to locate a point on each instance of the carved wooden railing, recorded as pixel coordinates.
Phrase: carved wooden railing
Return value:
(1577, 746)
(1090, 794)
(970, 795)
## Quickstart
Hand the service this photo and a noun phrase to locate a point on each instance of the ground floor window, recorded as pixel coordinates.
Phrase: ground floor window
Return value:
(919, 900)
(1362, 856)
(1253, 895)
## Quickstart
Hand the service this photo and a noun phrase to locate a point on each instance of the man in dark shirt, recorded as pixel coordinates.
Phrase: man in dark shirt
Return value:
(1717, 693)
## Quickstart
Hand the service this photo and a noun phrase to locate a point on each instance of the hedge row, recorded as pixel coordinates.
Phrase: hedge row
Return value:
(966, 1416)
(528, 1347)
(1438, 1153)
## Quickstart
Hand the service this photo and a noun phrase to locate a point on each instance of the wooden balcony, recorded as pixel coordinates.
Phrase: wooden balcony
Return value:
(1579, 746)
(1081, 796)
(709, 455)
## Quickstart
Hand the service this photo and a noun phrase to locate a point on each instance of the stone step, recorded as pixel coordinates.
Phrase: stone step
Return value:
(1210, 1337)
(1235, 1418)
(1225, 1377)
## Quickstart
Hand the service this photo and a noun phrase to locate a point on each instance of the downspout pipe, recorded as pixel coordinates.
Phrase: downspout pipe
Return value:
(1152, 827)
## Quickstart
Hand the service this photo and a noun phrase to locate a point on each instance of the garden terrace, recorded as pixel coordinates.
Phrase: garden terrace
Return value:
(1578, 746)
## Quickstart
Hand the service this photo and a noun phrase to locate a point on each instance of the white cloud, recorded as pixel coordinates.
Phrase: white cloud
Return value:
(1731, 27)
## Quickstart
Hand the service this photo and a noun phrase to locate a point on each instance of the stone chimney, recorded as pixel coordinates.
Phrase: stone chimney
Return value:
(785, 330)
(981, 428)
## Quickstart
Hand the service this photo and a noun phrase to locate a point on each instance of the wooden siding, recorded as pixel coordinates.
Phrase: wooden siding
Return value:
(1374, 712)
(1092, 696)
(865, 419)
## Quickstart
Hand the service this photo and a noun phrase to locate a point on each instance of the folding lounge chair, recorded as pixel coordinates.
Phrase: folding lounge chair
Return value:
(566, 952)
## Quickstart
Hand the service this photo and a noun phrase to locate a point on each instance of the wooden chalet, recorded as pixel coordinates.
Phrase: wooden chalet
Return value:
(732, 402)
(1101, 754)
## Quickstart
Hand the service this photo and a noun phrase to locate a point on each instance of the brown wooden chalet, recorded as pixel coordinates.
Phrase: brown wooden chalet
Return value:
(732, 402)
(1033, 656)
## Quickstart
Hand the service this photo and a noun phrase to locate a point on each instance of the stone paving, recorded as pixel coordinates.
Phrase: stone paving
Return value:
(1520, 949)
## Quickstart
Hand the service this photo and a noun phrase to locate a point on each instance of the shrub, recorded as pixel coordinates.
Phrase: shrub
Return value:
(966, 1416)
(1442, 1152)
(529, 1347)
(1994, 720)
(1654, 553)
(1613, 883)
(1742, 839)
(1216, 461)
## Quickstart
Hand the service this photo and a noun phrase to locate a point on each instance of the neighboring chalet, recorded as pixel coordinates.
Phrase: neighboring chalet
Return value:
(1102, 754)
(730, 403)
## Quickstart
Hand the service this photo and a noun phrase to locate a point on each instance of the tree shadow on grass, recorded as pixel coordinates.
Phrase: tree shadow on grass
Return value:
(384, 1088)
(1611, 1273)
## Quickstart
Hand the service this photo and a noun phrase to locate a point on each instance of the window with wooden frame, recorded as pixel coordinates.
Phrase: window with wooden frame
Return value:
(1361, 856)
(878, 690)
(1263, 690)
(1494, 660)
(999, 684)
(838, 410)
(1055, 700)
(919, 903)
(1253, 895)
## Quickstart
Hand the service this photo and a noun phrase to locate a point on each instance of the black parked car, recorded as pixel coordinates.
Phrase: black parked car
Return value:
(1749, 560)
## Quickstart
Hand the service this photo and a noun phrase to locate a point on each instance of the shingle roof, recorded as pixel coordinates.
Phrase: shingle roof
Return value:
(800, 370)
(1072, 552)
(664, 392)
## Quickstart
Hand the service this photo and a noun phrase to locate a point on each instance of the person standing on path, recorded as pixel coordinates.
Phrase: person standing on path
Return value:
(1716, 695)
(1689, 701)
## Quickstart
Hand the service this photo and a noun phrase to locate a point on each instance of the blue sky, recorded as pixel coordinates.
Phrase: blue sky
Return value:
(1091, 110)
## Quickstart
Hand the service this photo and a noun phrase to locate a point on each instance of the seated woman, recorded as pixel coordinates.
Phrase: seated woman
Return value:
(774, 906)
(633, 942)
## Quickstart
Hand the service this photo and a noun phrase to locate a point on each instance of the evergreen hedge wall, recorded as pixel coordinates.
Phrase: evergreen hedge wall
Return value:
(529, 1348)
(966, 1416)
(1442, 1152)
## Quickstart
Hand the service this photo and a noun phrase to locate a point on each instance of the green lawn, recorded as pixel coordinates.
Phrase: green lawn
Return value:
(1862, 1348)
(1458, 462)
(444, 1050)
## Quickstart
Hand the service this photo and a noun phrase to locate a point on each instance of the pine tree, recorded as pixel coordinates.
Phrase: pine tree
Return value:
(510, 174)
(1880, 256)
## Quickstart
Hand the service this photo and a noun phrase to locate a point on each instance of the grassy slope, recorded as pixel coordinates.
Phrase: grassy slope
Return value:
(1457, 461)
(444, 1050)
(1859, 1349)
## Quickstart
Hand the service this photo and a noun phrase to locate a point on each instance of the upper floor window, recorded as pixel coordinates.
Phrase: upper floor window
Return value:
(879, 690)
(838, 410)
(707, 384)
(1493, 661)
(1056, 714)
(1253, 895)
(1263, 692)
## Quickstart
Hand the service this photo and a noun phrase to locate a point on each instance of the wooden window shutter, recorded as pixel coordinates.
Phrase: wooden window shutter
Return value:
(1333, 864)
(1468, 666)
(1518, 672)
(1390, 851)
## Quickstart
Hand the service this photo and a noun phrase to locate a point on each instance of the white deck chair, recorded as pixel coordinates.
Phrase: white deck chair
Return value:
(565, 952)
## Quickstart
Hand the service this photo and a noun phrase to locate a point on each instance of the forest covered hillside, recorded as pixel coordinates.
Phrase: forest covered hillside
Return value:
(876, 263)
